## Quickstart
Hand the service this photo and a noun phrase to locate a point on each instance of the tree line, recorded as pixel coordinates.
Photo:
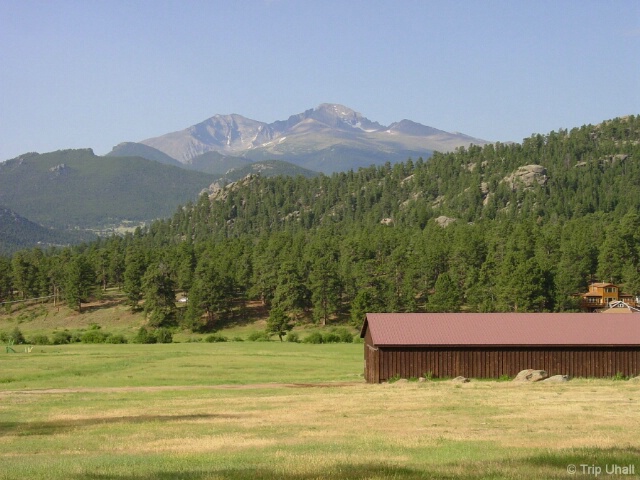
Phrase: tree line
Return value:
(331, 248)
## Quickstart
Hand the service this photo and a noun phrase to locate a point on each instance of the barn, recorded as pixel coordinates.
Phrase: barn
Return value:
(489, 345)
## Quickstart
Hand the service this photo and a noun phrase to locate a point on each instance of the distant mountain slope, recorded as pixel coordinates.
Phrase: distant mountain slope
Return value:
(216, 163)
(269, 168)
(329, 138)
(75, 188)
(131, 149)
(16, 232)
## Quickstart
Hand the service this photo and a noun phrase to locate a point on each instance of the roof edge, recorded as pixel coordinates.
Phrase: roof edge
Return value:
(363, 329)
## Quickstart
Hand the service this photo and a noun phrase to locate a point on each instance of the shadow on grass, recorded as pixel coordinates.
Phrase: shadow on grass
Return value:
(551, 465)
(61, 426)
(102, 305)
(620, 456)
(343, 471)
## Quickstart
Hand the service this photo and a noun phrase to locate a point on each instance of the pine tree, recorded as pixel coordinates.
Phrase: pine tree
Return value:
(79, 282)
(278, 322)
(135, 267)
(446, 297)
(159, 296)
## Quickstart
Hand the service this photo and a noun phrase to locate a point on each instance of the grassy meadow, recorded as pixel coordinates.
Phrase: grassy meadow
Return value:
(243, 410)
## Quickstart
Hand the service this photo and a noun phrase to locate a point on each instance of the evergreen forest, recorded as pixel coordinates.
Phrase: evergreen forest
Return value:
(505, 227)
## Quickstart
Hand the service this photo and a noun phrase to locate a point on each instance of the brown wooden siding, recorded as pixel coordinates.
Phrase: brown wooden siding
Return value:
(382, 363)
(371, 360)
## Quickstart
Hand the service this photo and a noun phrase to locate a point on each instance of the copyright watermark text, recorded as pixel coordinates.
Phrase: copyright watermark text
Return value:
(597, 470)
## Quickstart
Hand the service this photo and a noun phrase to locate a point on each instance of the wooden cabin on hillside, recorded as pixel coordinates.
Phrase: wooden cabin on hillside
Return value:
(489, 345)
(605, 295)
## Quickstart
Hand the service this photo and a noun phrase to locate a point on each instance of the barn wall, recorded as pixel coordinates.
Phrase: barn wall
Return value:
(371, 360)
(492, 362)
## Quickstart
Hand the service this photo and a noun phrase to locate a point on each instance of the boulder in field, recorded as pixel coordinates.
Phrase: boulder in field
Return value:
(460, 380)
(531, 375)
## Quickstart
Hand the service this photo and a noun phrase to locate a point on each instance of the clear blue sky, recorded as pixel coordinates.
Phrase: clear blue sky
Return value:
(95, 73)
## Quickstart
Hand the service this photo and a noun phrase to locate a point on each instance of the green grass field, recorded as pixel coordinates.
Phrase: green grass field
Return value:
(245, 410)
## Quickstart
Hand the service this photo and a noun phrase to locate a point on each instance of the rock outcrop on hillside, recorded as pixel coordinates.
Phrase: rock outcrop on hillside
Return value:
(526, 177)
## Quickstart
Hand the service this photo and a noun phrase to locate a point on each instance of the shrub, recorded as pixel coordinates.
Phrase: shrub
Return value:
(76, 337)
(293, 337)
(215, 338)
(238, 339)
(258, 337)
(93, 336)
(394, 379)
(357, 339)
(164, 335)
(143, 336)
(118, 338)
(40, 340)
(619, 376)
(17, 336)
(61, 338)
(345, 335)
(315, 337)
(330, 337)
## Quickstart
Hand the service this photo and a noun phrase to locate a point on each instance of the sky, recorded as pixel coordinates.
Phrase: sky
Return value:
(92, 74)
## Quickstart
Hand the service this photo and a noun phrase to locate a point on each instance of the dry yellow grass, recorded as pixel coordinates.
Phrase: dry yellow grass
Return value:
(442, 429)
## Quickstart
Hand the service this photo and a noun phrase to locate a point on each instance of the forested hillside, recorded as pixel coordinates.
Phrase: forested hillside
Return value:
(516, 227)
(17, 233)
(76, 188)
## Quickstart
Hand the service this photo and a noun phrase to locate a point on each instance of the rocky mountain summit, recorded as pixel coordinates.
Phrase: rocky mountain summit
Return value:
(327, 138)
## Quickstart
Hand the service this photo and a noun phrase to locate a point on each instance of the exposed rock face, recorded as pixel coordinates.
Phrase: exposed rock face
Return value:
(531, 375)
(61, 169)
(613, 159)
(444, 221)
(557, 379)
(526, 177)
(217, 192)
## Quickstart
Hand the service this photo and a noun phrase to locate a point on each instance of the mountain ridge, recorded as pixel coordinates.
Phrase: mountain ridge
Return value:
(76, 188)
(18, 232)
(306, 136)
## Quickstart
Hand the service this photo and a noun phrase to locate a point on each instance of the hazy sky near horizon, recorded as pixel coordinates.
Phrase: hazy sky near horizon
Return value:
(78, 73)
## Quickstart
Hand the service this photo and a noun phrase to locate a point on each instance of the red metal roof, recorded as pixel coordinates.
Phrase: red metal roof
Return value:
(503, 329)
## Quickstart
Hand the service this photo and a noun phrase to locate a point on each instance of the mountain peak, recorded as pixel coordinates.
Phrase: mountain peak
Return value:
(330, 137)
(339, 116)
(336, 109)
(409, 127)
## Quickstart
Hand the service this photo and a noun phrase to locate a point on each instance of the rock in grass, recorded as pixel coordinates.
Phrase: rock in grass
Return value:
(460, 380)
(531, 375)
(557, 379)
